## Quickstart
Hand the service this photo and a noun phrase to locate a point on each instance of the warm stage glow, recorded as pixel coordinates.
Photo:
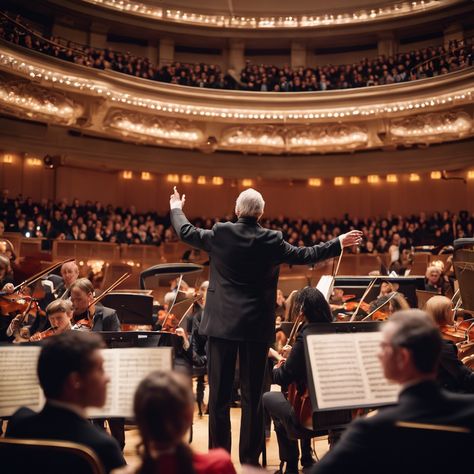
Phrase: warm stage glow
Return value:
(354, 180)
(127, 175)
(338, 181)
(34, 162)
(247, 183)
(392, 178)
(435, 175)
(172, 178)
(314, 182)
(201, 180)
(146, 176)
(373, 178)
(414, 177)
(217, 180)
(186, 179)
(8, 158)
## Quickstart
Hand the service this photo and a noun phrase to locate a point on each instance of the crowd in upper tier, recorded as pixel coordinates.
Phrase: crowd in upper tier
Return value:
(94, 221)
(402, 67)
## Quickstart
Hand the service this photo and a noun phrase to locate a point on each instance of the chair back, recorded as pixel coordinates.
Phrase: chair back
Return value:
(26, 456)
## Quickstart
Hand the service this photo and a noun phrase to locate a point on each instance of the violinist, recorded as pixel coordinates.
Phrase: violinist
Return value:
(89, 316)
(69, 274)
(60, 315)
(312, 306)
(452, 373)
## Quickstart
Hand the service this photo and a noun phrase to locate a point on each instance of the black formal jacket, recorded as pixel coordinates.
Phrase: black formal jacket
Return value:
(377, 445)
(453, 375)
(244, 268)
(57, 423)
(105, 319)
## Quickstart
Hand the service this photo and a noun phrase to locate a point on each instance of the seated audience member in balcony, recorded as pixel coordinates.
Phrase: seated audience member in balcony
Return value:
(163, 408)
(426, 424)
(71, 374)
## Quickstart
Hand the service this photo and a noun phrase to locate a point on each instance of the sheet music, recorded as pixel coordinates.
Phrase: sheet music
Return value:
(346, 371)
(18, 380)
(126, 368)
(325, 286)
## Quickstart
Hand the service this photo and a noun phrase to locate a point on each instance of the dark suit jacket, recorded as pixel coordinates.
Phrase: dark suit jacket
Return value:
(244, 268)
(377, 445)
(452, 373)
(105, 319)
(59, 423)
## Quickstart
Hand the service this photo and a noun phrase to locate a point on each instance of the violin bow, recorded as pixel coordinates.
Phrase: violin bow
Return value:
(366, 292)
(112, 287)
(383, 304)
(174, 301)
(38, 275)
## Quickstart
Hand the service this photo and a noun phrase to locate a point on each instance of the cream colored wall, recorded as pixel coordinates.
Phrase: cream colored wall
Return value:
(340, 58)
(71, 34)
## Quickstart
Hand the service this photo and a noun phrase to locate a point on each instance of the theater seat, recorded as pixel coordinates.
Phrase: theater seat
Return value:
(26, 456)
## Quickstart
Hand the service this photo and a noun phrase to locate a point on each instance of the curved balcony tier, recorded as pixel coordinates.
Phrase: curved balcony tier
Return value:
(111, 105)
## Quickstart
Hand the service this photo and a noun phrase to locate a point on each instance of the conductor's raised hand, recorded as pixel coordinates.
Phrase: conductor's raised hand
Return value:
(176, 201)
(354, 237)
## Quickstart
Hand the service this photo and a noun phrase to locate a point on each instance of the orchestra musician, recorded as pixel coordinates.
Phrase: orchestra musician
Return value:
(419, 433)
(453, 375)
(89, 316)
(69, 274)
(60, 314)
(313, 307)
(244, 268)
(95, 317)
(71, 374)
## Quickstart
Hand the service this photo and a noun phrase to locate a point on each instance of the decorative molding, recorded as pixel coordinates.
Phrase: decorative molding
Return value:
(308, 139)
(154, 129)
(431, 128)
(32, 101)
(310, 20)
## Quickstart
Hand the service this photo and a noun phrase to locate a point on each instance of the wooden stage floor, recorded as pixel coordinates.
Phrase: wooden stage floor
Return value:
(200, 439)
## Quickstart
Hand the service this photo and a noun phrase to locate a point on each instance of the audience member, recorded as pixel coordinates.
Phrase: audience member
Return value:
(402, 67)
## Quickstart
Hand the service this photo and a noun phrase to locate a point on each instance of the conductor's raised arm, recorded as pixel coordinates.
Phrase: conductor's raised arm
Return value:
(198, 238)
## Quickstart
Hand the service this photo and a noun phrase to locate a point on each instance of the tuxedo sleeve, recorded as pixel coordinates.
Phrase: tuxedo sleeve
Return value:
(111, 322)
(294, 368)
(305, 255)
(198, 238)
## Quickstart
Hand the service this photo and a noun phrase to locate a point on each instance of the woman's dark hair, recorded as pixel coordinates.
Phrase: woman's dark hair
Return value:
(311, 302)
(62, 355)
(163, 407)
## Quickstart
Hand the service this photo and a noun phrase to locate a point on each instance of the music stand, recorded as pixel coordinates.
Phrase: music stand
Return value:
(114, 339)
(463, 262)
(132, 308)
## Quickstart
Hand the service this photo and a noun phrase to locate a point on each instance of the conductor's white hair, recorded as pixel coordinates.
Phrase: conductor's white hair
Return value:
(249, 203)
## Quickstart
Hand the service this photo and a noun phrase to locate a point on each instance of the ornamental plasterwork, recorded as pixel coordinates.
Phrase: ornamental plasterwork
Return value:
(429, 128)
(155, 129)
(29, 100)
(272, 139)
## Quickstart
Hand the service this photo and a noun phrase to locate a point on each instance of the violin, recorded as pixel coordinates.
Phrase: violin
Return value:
(453, 333)
(14, 302)
(39, 336)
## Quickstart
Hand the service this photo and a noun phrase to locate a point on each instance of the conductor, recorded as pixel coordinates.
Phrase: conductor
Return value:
(239, 314)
